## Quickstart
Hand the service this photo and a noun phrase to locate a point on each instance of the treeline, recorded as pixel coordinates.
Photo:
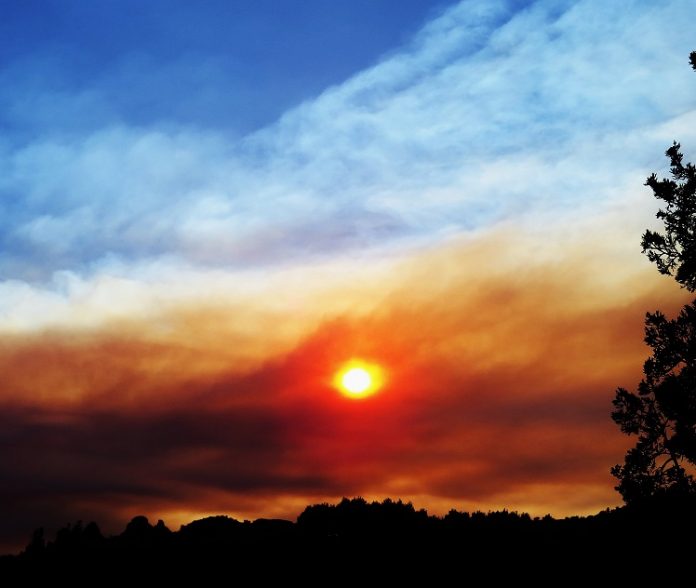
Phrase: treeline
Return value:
(387, 537)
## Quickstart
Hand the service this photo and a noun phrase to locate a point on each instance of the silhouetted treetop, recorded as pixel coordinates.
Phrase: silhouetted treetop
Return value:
(674, 251)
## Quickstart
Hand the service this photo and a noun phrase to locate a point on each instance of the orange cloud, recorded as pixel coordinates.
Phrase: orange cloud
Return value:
(500, 376)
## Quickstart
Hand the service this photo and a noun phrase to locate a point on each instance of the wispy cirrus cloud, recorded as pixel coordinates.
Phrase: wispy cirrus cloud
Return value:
(490, 113)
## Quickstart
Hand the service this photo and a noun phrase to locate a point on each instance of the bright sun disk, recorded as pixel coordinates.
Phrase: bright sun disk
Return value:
(357, 379)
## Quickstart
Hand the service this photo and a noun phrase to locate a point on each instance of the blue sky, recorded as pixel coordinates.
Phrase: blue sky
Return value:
(232, 66)
(251, 135)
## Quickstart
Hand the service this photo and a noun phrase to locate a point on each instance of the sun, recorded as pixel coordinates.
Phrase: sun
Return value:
(359, 379)
(356, 380)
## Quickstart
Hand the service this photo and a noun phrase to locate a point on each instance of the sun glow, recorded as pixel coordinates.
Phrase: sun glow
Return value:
(358, 379)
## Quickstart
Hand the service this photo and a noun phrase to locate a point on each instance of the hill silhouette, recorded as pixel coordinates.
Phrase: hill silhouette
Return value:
(387, 539)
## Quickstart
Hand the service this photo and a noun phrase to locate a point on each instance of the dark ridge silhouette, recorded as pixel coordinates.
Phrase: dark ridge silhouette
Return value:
(356, 537)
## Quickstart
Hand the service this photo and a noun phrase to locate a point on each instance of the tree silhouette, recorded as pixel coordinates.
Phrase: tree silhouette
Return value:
(662, 413)
(674, 252)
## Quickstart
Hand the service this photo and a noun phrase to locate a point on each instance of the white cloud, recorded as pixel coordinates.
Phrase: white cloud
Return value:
(489, 114)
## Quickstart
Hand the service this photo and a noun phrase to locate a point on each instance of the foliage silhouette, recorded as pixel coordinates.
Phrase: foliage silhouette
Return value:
(365, 541)
(674, 252)
(663, 411)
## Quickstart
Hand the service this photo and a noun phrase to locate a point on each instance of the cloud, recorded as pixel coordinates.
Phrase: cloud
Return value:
(499, 381)
(489, 113)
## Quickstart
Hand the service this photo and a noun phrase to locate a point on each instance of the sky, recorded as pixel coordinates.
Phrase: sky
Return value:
(206, 209)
